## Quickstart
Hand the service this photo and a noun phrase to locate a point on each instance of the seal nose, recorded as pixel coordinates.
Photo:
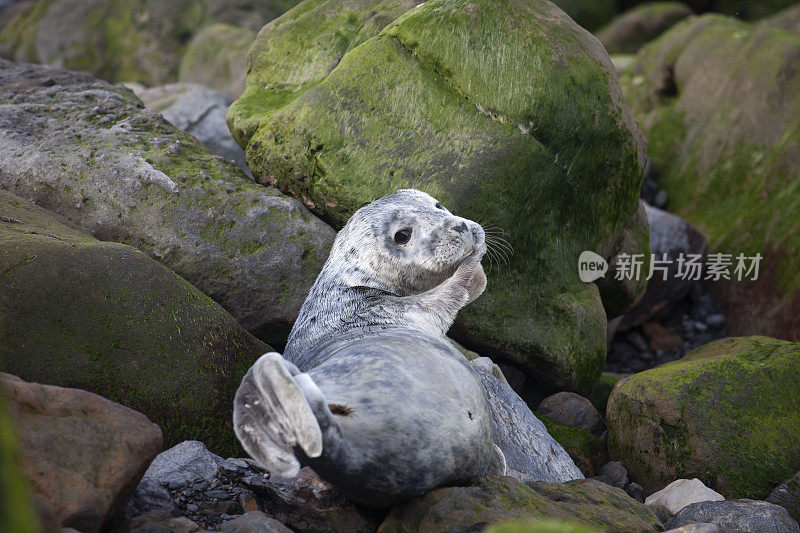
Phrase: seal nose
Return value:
(461, 228)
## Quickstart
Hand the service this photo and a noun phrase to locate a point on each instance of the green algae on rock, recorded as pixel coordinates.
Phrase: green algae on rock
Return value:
(90, 152)
(541, 526)
(627, 32)
(719, 101)
(78, 312)
(500, 499)
(123, 40)
(726, 412)
(217, 58)
(588, 451)
(508, 113)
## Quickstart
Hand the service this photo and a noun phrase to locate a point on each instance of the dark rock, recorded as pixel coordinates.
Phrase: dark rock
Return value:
(746, 515)
(627, 32)
(787, 495)
(254, 522)
(149, 496)
(573, 410)
(307, 503)
(614, 474)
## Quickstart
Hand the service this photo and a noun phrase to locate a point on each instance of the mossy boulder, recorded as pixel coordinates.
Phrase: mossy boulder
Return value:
(541, 526)
(123, 40)
(727, 412)
(17, 512)
(627, 32)
(719, 102)
(90, 152)
(103, 317)
(217, 58)
(588, 451)
(500, 499)
(511, 131)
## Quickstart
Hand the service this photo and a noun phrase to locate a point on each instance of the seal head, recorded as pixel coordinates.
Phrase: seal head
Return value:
(403, 245)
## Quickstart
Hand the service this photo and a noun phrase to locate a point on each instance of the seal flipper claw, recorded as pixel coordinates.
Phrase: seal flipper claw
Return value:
(271, 414)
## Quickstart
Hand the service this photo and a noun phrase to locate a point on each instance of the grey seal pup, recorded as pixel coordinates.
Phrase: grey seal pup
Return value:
(369, 392)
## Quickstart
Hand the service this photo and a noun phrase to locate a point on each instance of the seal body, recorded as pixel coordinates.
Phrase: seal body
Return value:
(410, 415)
(369, 392)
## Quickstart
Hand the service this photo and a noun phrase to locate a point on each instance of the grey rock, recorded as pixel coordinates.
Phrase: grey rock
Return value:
(148, 496)
(747, 515)
(682, 492)
(531, 453)
(700, 527)
(787, 495)
(635, 491)
(670, 236)
(573, 410)
(716, 320)
(90, 152)
(614, 474)
(254, 522)
(198, 110)
(182, 464)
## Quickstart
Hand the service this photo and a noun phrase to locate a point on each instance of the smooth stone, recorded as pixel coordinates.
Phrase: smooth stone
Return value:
(678, 494)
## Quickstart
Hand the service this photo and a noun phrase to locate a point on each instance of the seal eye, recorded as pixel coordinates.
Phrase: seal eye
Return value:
(438, 206)
(402, 236)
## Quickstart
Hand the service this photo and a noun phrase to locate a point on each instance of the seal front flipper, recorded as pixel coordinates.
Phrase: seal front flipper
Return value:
(274, 411)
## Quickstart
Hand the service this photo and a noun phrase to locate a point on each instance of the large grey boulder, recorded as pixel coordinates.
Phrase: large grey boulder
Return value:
(90, 152)
(746, 515)
(198, 110)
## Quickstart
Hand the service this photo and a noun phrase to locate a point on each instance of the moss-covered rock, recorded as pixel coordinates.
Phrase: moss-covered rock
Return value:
(499, 499)
(588, 451)
(727, 412)
(123, 40)
(217, 58)
(505, 112)
(719, 101)
(627, 32)
(17, 513)
(541, 526)
(78, 312)
(90, 152)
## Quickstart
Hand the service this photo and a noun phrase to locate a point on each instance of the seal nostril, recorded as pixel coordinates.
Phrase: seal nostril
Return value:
(461, 228)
